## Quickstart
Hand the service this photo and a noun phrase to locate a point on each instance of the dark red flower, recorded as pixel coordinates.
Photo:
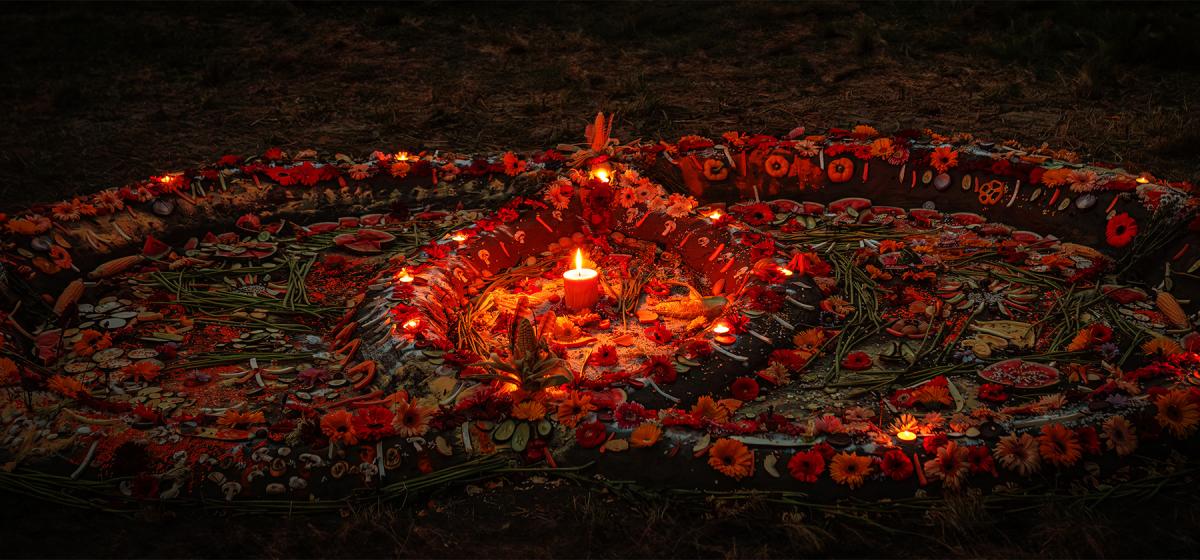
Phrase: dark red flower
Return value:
(806, 466)
(1088, 439)
(1121, 230)
(630, 414)
(856, 361)
(992, 392)
(660, 369)
(1101, 333)
(979, 459)
(744, 389)
(590, 435)
(934, 443)
(896, 464)
(273, 154)
(827, 451)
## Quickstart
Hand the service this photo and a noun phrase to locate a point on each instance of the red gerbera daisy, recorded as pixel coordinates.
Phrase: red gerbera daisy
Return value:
(659, 334)
(605, 355)
(896, 464)
(806, 466)
(373, 422)
(630, 414)
(660, 369)
(856, 361)
(1101, 333)
(979, 459)
(933, 443)
(744, 389)
(757, 214)
(1121, 230)
(590, 435)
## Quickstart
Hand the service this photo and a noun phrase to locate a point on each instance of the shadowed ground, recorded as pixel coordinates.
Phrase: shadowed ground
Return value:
(99, 95)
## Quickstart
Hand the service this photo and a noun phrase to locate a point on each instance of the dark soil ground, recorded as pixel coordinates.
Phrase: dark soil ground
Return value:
(100, 95)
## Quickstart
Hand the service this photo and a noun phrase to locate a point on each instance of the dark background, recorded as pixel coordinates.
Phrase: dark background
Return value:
(97, 95)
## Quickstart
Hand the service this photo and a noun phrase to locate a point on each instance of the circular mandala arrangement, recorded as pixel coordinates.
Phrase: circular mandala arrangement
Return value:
(823, 314)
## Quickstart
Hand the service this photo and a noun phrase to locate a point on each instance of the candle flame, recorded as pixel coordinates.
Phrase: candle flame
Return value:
(401, 156)
(459, 237)
(602, 175)
(721, 327)
(411, 324)
(404, 276)
(578, 259)
(786, 271)
(1142, 180)
(715, 215)
(906, 435)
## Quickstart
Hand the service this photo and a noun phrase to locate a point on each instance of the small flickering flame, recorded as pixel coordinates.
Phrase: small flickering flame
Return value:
(1142, 180)
(411, 324)
(715, 215)
(721, 327)
(459, 237)
(165, 179)
(906, 435)
(401, 156)
(404, 276)
(601, 174)
(578, 259)
(786, 271)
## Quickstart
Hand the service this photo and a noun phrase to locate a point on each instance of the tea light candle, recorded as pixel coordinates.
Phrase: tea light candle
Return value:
(581, 285)
(906, 435)
(404, 276)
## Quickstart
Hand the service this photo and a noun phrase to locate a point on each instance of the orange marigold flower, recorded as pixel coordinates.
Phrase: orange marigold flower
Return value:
(92, 341)
(1059, 445)
(233, 418)
(66, 386)
(850, 469)
(882, 147)
(145, 370)
(10, 372)
(339, 427)
(731, 458)
(1177, 412)
(710, 409)
(529, 410)
(645, 435)
(574, 408)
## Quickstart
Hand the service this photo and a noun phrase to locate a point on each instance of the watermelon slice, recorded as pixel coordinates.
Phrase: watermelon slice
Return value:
(1020, 374)
(840, 205)
(364, 240)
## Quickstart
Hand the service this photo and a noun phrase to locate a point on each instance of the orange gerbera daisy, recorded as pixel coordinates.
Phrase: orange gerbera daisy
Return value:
(529, 410)
(850, 469)
(412, 419)
(10, 372)
(91, 341)
(1059, 445)
(645, 435)
(66, 386)
(1120, 436)
(1177, 413)
(574, 408)
(1018, 453)
(950, 465)
(731, 458)
(943, 158)
(708, 408)
(339, 427)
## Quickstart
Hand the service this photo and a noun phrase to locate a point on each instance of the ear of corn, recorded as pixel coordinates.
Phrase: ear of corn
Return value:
(1170, 308)
(69, 296)
(115, 266)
